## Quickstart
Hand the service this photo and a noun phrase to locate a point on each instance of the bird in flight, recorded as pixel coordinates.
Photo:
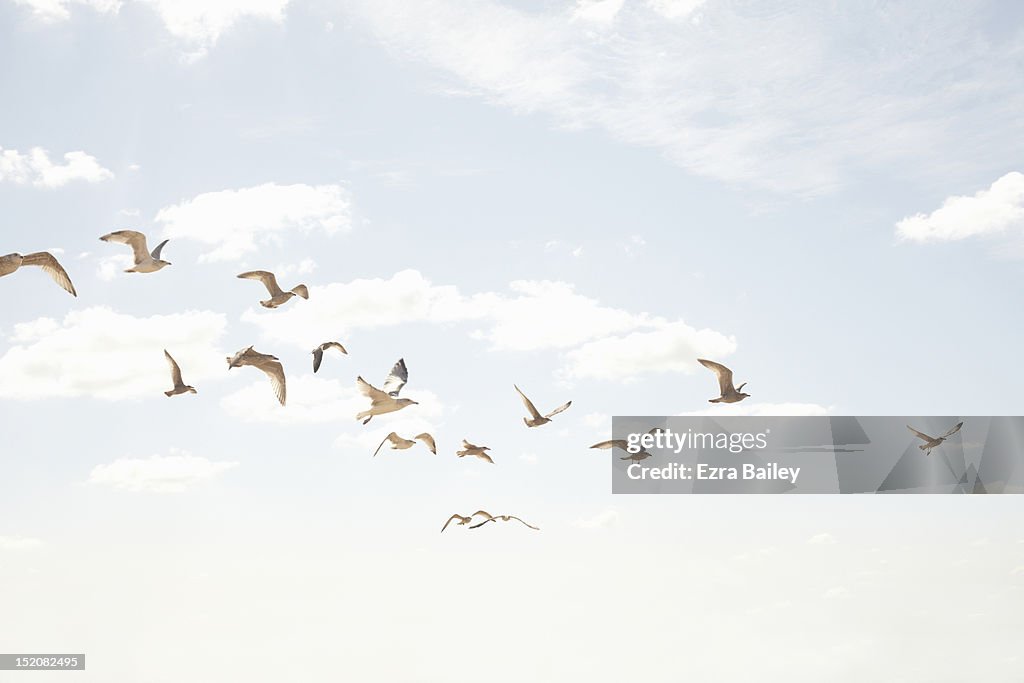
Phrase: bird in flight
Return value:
(503, 518)
(623, 445)
(43, 259)
(145, 262)
(385, 401)
(277, 296)
(476, 451)
(464, 520)
(730, 394)
(318, 352)
(536, 419)
(270, 366)
(931, 442)
(179, 386)
(400, 444)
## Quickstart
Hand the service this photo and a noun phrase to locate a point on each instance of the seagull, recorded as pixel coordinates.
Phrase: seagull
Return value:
(270, 366)
(934, 442)
(43, 259)
(478, 451)
(144, 261)
(503, 518)
(622, 445)
(277, 297)
(464, 520)
(385, 401)
(724, 374)
(179, 386)
(318, 352)
(536, 419)
(400, 444)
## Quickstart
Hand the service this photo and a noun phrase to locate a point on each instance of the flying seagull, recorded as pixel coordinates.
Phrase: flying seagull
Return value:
(729, 393)
(622, 445)
(536, 419)
(179, 386)
(400, 444)
(464, 520)
(43, 259)
(318, 352)
(277, 297)
(385, 401)
(477, 451)
(503, 518)
(270, 366)
(144, 261)
(934, 442)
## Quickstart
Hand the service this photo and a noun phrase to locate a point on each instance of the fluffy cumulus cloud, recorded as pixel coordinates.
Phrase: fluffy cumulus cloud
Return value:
(173, 473)
(992, 211)
(100, 353)
(597, 341)
(232, 223)
(36, 168)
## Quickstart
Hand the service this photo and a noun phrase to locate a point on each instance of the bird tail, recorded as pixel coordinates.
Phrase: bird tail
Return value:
(168, 394)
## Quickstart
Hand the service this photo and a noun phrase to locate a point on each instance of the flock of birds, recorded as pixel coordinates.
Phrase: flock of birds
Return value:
(382, 401)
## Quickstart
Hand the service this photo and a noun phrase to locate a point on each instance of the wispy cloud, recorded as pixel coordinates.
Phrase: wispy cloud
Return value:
(173, 473)
(37, 169)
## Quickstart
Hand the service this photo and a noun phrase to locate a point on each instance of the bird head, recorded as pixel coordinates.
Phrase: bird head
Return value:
(408, 402)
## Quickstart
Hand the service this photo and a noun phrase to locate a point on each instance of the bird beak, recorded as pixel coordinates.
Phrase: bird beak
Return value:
(415, 403)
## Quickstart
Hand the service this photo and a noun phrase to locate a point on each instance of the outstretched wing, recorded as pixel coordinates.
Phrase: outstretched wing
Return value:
(136, 240)
(318, 358)
(614, 443)
(450, 520)
(559, 409)
(920, 435)
(159, 248)
(397, 379)
(51, 267)
(723, 373)
(528, 403)
(275, 371)
(267, 278)
(521, 521)
(370, 391)
(175, 370)
(301, 290)
(484, 456)
(953, 431)
(390, 437)
(480, 524)
(429, 440)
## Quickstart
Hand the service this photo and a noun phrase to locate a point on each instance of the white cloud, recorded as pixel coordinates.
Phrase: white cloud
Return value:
(598, 11)
(763, 409)
(988, 212)
(603, 520)
(113, 265)
(37, 169)
(59, 10)
(13, 543)
(233, 223)
(823, 538)
(675, 9)
(104, 354)
(171, 473)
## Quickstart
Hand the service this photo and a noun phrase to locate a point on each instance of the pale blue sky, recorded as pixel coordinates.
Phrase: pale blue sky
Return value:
(626, 173)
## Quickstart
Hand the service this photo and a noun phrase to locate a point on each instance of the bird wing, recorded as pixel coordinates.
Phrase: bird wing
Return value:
(484, 456)
(51, 267)
(159, 248)
(559, 409)
(136, 240)
(370, 391)
(489, 519)
(723, 373)
(450, 520)
(486, 514)
(390, 437)
(267, 278)
(318, 357)
(301, 290)
(175, 370)
(275, 371)
(429, 440)
(953, 431)
(920, 435)
(519, 520)
(334, 345)
(528, 403)
(397, 379)
(614, 443)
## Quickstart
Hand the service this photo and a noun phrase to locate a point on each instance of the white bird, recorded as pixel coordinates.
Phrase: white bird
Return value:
(277, 296)
(503, 518)
(145, 262)
(385, 401)
(536, 419)
(318, 352)
(729, 394)
(931, 442)
(400, 444)
(43, 259)
(270, 366)
(476, 451)
(464, 520)
(179, 385)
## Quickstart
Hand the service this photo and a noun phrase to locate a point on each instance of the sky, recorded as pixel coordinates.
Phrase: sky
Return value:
(580, 198)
